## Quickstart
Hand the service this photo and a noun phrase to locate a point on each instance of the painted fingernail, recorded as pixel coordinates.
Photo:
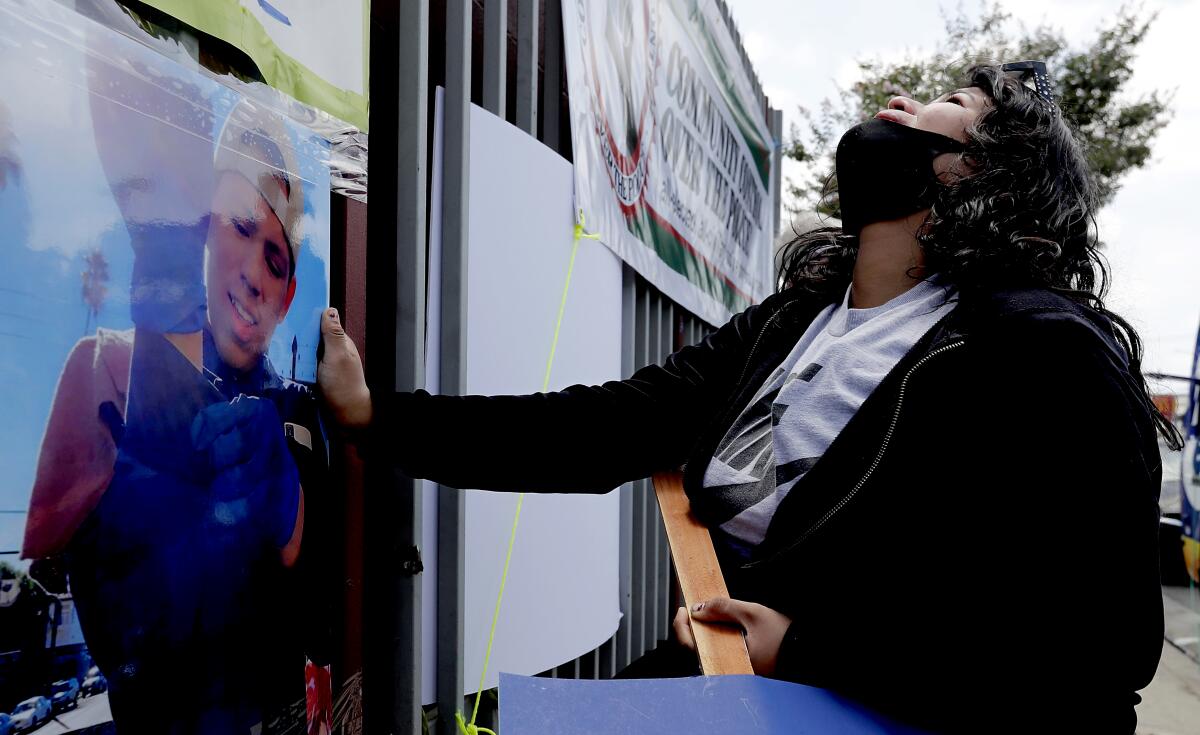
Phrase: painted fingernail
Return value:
(698, 607)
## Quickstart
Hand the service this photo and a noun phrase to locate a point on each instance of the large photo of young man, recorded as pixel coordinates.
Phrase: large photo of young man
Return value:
(180, 488)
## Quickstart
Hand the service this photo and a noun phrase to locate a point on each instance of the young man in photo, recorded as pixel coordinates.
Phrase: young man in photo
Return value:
(177, 463)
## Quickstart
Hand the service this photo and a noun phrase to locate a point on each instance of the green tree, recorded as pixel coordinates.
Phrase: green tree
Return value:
(23, 610)
(1090, 82)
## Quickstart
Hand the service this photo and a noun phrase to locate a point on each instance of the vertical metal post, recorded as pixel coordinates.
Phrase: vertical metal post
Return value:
(777, 162)
(622, 649)
(527, 65)
(647, 343)
(552, 75)
(396, 297)
(641, 489)
(495, 55)
(456, 153)
(663, 572)
(654, 527)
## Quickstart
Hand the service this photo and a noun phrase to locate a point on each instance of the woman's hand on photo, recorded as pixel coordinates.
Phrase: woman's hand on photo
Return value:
(340, 375)
(764, 628)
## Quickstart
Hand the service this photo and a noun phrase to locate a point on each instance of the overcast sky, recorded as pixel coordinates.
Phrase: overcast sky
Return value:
(803, 51)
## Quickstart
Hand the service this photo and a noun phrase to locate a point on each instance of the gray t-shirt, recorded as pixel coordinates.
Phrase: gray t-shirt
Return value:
(807, 401)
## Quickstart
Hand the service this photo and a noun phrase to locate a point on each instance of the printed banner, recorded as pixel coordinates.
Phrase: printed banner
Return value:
(672, 149)
(166, 563)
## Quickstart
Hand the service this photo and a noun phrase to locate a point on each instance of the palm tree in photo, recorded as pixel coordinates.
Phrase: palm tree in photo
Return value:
(95, 285)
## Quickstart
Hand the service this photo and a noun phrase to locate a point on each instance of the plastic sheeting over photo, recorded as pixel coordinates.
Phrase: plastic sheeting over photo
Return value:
(166, 260)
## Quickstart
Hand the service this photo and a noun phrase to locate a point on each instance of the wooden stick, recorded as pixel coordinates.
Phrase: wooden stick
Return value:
(722, 649)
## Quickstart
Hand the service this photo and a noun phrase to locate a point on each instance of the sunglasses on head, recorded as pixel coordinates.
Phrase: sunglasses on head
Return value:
(1033, 75)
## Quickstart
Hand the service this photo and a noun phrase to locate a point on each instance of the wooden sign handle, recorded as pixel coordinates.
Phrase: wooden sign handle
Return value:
(722, 649)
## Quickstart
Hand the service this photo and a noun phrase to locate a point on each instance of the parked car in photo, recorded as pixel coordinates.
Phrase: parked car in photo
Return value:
(93, 683)
(30, 714)
(64, 695)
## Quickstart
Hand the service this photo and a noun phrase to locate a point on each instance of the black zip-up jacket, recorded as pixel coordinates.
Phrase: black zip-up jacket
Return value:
(975, 552)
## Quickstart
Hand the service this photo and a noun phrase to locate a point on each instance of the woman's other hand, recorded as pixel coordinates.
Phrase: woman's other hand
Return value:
(340, 375)
(764, 628)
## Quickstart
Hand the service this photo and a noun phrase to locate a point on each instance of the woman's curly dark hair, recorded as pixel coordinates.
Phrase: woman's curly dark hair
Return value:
(1024, 217)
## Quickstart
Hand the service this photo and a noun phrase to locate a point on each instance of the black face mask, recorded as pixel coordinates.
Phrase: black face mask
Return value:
(885, 171)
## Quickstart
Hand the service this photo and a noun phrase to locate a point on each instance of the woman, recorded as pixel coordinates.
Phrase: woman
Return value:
(915, 458)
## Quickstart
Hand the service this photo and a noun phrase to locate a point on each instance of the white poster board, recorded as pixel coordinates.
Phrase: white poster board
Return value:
(561, 599)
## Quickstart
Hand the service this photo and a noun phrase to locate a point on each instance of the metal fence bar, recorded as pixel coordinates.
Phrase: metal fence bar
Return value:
(489, 714)
(552, 74)
(453, 373)
(396, 297)
(777, 162)
(650, 500)
(527, 65)
(606, 656)
(593, 669)
(639, 547)
(495, 55)
(654, 580)
(643, 622)
(620, 650)
(664, 548)
(640, 620)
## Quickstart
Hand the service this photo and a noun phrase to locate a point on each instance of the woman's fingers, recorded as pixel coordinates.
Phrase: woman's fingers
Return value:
(765, 628)
(340, 375)
(683, 629)
(725, 610)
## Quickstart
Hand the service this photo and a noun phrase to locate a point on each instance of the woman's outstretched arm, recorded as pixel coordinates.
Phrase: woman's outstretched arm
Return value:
(580, 439)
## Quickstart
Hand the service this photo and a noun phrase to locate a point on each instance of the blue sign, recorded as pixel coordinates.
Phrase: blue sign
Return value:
(747, 705)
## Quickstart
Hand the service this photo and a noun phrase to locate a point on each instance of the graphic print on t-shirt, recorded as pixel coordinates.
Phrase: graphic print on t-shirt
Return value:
(804, 404)
(745, 459)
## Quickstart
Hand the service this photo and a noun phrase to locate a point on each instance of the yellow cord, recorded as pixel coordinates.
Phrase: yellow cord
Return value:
(470, 728)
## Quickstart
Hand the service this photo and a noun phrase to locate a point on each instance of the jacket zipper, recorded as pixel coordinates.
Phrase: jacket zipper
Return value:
(887, 438)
